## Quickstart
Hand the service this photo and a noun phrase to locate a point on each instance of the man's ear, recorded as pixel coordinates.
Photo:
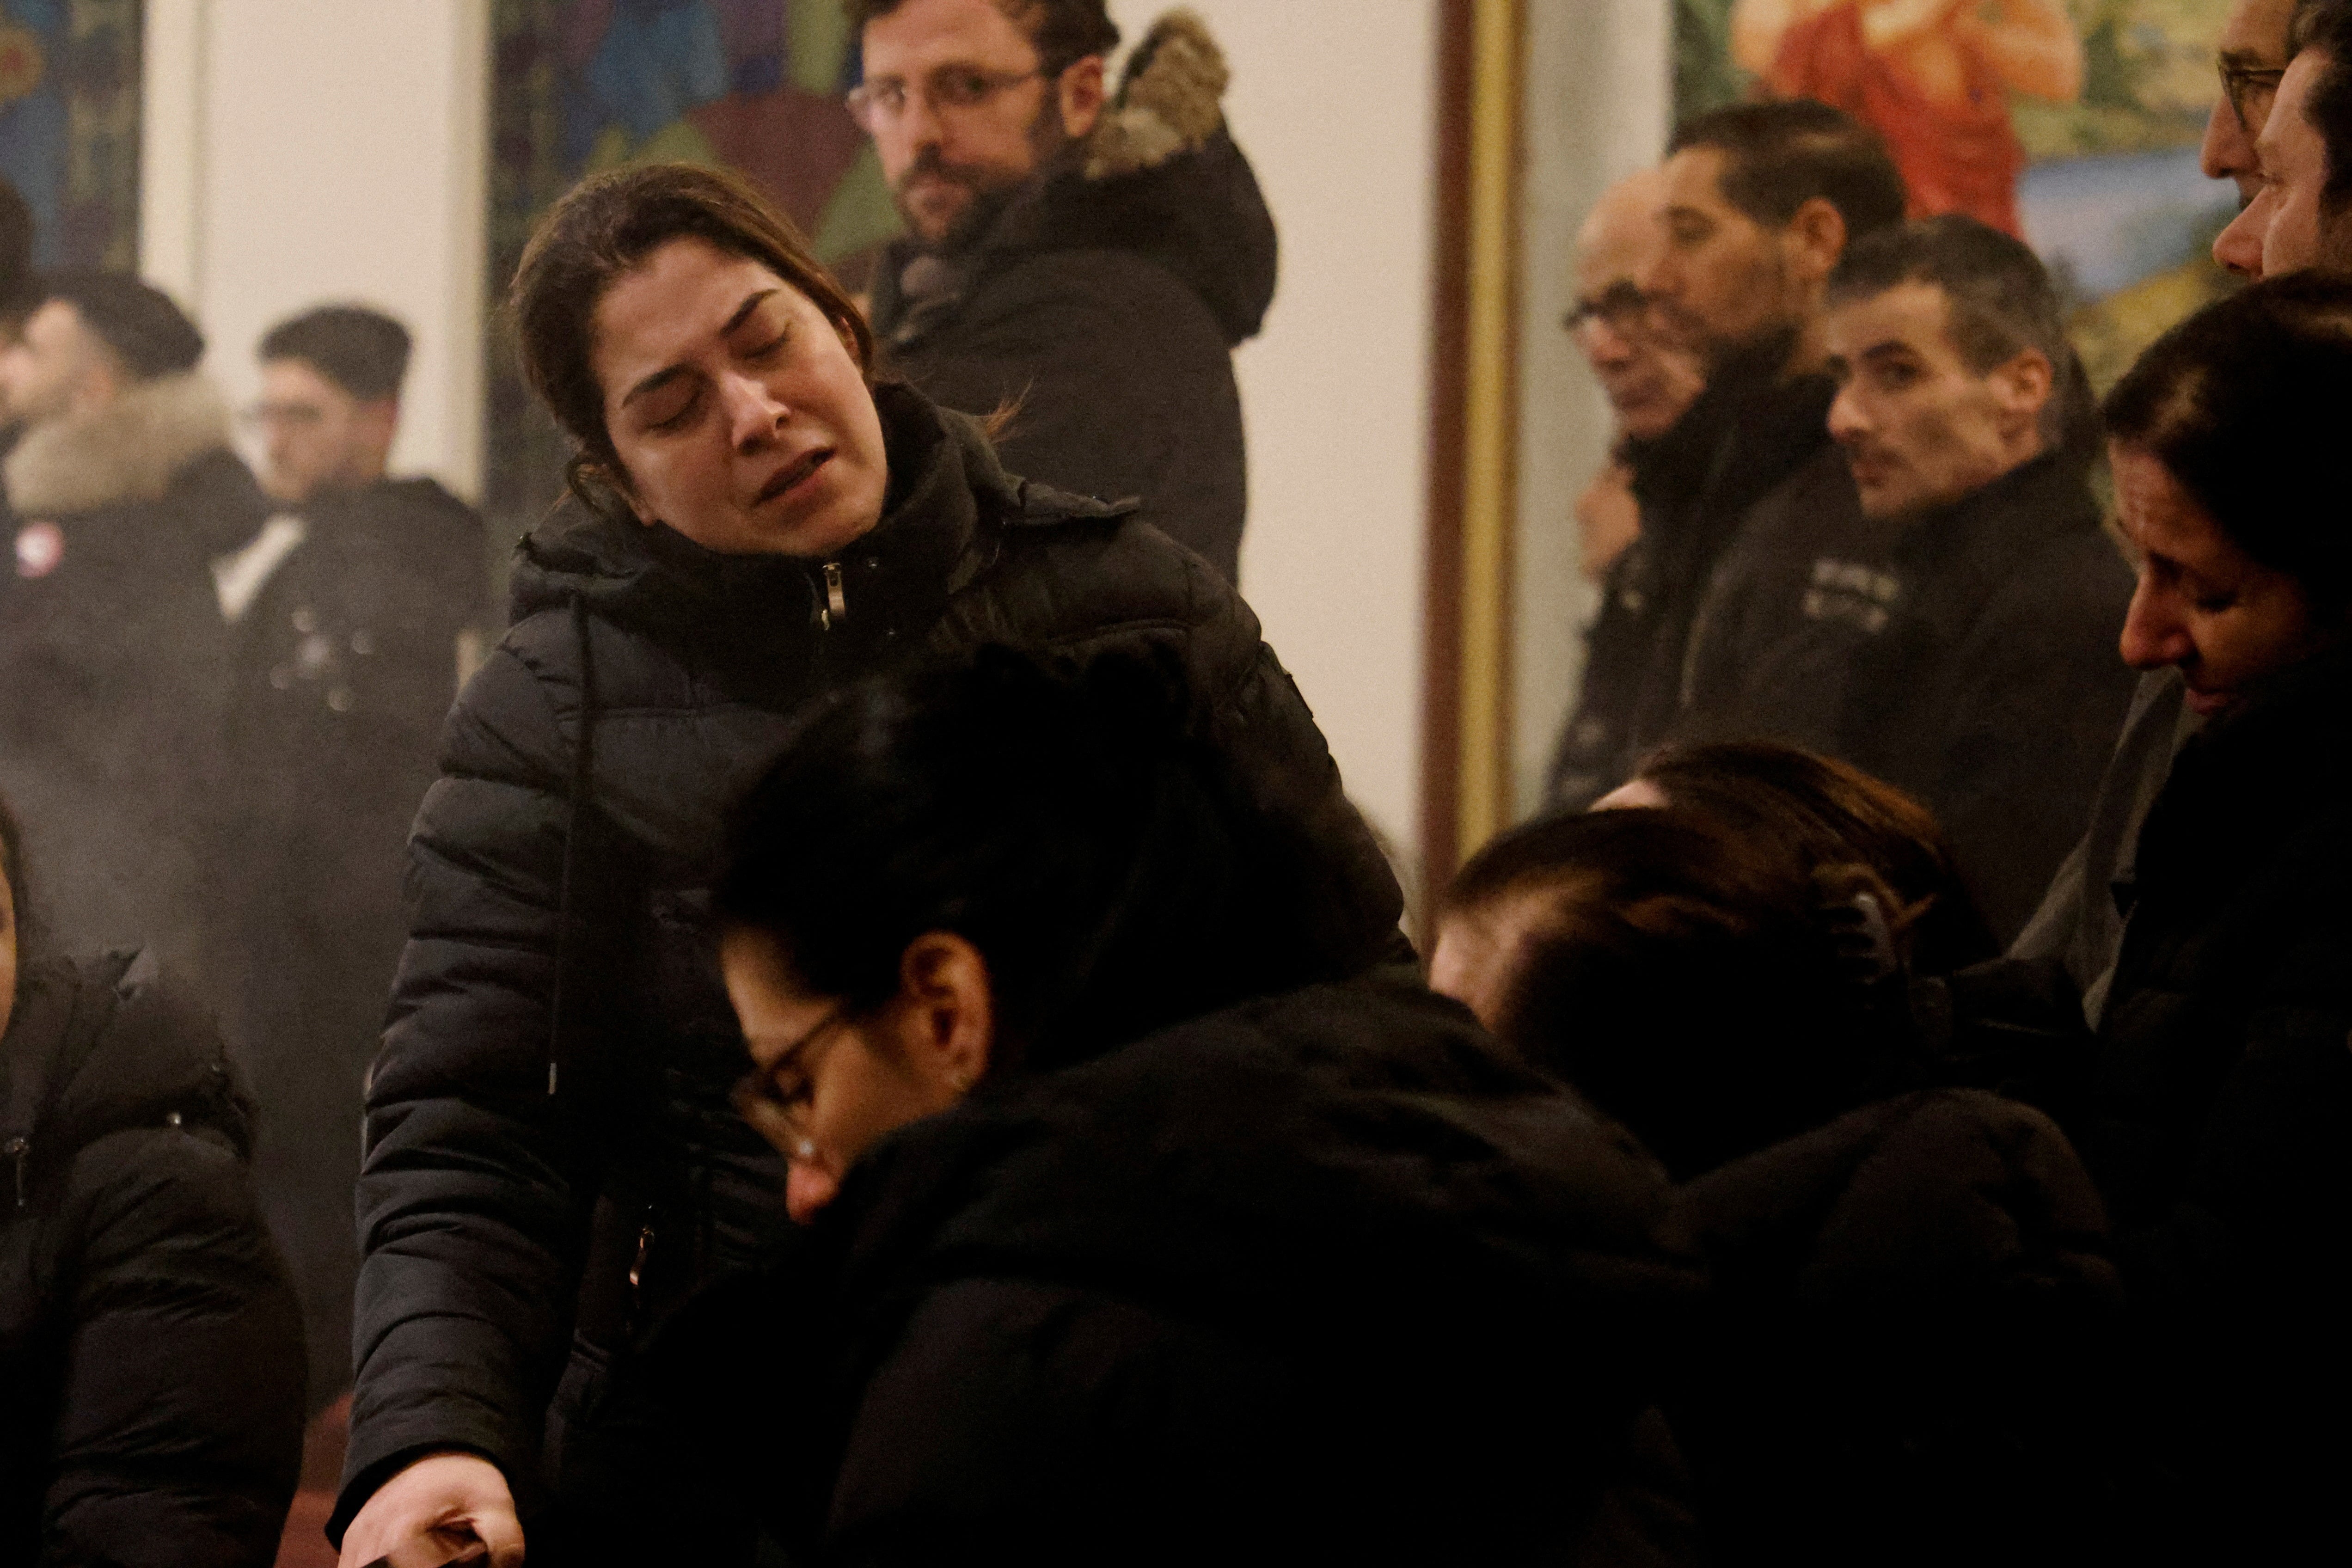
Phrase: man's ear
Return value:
(1081, 90)
(946, 1009)
(1813, 239)
(380, 416)
(2023, 384)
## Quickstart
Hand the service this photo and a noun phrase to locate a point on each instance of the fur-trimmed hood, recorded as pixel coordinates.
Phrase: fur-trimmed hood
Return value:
(1170, 99)
(130, 451)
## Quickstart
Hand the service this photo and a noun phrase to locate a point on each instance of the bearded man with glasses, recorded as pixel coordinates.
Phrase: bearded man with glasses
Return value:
(1082, 263)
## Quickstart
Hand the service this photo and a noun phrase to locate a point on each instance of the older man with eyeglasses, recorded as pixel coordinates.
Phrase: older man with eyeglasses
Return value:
(2252, 56)
(1084, 263)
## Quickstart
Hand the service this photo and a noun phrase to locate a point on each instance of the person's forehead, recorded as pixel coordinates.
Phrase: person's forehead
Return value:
(2154, 509)
(673, 305)
(922, 33)
(2289, 135)
(56, 324)
(300, 378)
(1913, 314)
(2257, 28)
(1695, 179)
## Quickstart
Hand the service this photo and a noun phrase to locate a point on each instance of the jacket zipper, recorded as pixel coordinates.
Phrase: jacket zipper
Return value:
(20, 1152)
(836, 604)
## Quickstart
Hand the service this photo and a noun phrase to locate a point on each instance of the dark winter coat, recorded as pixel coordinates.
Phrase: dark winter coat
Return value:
(1106, 301)
(113, 657)
(644, 683)
(151, 1351)
(1751, 432)
(1995, 692)
(1804, 582)
(1315, 1278)
(1902, 1355)
(2219, 1124)
(345, 663)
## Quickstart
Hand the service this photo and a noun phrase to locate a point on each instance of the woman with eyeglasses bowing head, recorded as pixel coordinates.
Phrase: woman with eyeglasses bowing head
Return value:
(1130, 1243)
(552, 1161)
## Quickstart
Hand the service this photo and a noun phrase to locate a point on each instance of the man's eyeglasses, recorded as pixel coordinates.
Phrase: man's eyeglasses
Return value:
(2248, 88)
(1621, 307)
(881, 101)
(775, 1100)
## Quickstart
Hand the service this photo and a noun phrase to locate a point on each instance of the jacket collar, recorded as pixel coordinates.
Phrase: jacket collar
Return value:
(128, 451)
(1953, 559)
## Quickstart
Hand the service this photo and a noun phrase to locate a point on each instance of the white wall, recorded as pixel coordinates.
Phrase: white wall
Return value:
(298, 151)
(1333, 102)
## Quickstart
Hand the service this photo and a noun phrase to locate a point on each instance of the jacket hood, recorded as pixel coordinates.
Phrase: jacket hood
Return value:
(113, 1046)
(131, 450)
(1159, 176)
(943, 477)
(1349, 1171)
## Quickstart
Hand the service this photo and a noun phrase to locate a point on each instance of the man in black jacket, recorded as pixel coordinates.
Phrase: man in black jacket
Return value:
(1761, 200)
(112, 650)
(353, 611)
(1088, 264)
(1993, 689)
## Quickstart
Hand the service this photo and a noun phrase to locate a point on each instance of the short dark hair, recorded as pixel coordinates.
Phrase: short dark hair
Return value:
(1063, 32)
(2327, 26)
(1832, 813)
(1684, 977)
(2001, 301)
(137, 322)
(1777, 156)
(1061, 818)
(363, 352)
(2245, 404)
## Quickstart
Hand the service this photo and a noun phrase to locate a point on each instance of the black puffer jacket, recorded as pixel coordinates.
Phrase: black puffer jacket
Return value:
(151, 1351)
(1902, 1356)
(2219, 1124)
(1106, 301)
(1315, 1278)
(687, 668)
(1751, 433)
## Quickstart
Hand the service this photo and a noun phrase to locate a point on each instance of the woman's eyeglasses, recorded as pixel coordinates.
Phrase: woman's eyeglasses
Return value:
(775, 1100)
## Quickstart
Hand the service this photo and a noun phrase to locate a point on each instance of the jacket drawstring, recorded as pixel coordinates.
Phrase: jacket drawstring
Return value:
(582, 760)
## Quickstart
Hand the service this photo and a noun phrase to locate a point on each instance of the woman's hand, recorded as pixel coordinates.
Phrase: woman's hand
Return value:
(434, 1508)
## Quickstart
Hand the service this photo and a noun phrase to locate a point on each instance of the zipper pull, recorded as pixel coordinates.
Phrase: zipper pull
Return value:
(836, 604)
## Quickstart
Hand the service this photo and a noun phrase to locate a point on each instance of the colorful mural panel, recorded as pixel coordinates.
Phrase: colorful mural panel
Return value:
(69, 85)
(2072, 122)
(582, 86)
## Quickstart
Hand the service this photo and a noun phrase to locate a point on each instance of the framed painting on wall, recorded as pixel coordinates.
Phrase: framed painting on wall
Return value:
(582, 86)
(69, 103)
(2073, 123)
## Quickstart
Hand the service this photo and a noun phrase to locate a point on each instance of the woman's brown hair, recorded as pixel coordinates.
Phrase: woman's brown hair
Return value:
(608, 225)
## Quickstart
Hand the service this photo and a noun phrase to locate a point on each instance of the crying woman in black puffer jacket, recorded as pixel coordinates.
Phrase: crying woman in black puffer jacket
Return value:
(1901, 1358)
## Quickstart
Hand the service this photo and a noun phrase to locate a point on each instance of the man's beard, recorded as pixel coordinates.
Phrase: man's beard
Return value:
(988, 191)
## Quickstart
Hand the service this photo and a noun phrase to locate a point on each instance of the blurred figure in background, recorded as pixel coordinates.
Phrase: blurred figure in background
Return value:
(1992, 691)
(351, 608)
(112, 651)
(1749, 497)
(2298, 215)
(1093, 261)
(1900, 1356)
(151, 1353)
(1649, 381)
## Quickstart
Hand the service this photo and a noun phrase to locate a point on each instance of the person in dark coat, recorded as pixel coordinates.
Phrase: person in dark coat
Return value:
(1091, 264)
(1994, 690)
(1112, 1222)
(766, 527)
(353, 610)
(2213, 1099)
(1761, 200)
(113, 652)
(1903, 1355)
(151, 1351)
